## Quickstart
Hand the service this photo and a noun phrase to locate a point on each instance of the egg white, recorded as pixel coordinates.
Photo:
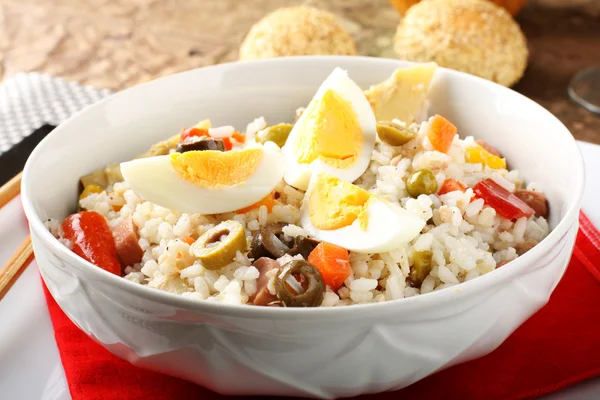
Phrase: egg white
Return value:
(297, 174)
(389, 226)
(155, 180)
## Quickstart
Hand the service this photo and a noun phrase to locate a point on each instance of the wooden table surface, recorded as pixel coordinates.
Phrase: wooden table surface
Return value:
(118, 43)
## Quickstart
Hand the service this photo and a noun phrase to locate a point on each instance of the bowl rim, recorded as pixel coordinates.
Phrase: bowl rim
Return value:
(486, 281)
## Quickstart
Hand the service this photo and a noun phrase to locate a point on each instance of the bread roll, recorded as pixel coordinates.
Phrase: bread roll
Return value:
(297, 31)
(473, 36)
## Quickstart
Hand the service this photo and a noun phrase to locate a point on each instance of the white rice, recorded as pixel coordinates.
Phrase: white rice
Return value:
(465, 237)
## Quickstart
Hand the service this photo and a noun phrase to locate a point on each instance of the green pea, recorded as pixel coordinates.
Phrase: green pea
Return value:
(421, 182)
(421, 267)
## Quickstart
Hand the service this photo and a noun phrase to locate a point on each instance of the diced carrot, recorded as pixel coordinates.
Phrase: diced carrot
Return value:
(240, 138)
(451, 185)
(333, 262)
(228, 144)
(189, 132)
(117, 207)
(188, 240)
(268, 201)
(441, 133)
(179, 255)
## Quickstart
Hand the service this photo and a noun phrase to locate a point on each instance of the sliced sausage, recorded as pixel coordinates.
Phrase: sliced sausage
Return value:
(535, 200)
(126, 242)
(263, 297)
(490, 149)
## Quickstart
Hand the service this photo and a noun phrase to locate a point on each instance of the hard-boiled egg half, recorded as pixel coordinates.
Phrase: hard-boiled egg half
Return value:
(335, 134)
(341, 213)
(207, 182)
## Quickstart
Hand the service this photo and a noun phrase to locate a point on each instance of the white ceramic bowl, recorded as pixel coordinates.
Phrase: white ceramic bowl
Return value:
(323, 352)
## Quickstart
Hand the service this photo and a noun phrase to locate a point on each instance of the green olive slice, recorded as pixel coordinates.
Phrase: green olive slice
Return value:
(421, 182)
(217, 247)
(300, 285)
(421, 267)
(275, 133)
(394, 134)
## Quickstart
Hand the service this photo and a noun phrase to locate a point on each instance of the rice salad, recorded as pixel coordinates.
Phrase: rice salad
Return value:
(398, 209)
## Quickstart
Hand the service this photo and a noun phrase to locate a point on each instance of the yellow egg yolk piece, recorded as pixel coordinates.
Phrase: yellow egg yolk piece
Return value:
(214, 169)
(334, 203)
(363, 216)
(330, 132)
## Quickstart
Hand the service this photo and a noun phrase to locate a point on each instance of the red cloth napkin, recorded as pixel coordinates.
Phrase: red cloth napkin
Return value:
(557, 347)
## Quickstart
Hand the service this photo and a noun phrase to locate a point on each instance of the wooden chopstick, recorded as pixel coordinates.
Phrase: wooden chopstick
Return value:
(10, 190)
(15, 266)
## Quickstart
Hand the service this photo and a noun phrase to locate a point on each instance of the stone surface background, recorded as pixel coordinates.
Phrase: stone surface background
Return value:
(115, 44)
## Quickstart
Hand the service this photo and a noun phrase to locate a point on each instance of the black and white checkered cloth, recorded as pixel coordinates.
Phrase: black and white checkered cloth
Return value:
(29, 100)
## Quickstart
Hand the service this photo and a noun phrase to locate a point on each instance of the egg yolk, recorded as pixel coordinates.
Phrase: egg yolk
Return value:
(213, 169)
(334, 204)
(330, 132)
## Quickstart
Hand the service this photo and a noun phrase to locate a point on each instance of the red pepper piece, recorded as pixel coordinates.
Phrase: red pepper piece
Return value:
(505, 203)
(451, 185)
(228, 144)
(189, 132)
(92, 239)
